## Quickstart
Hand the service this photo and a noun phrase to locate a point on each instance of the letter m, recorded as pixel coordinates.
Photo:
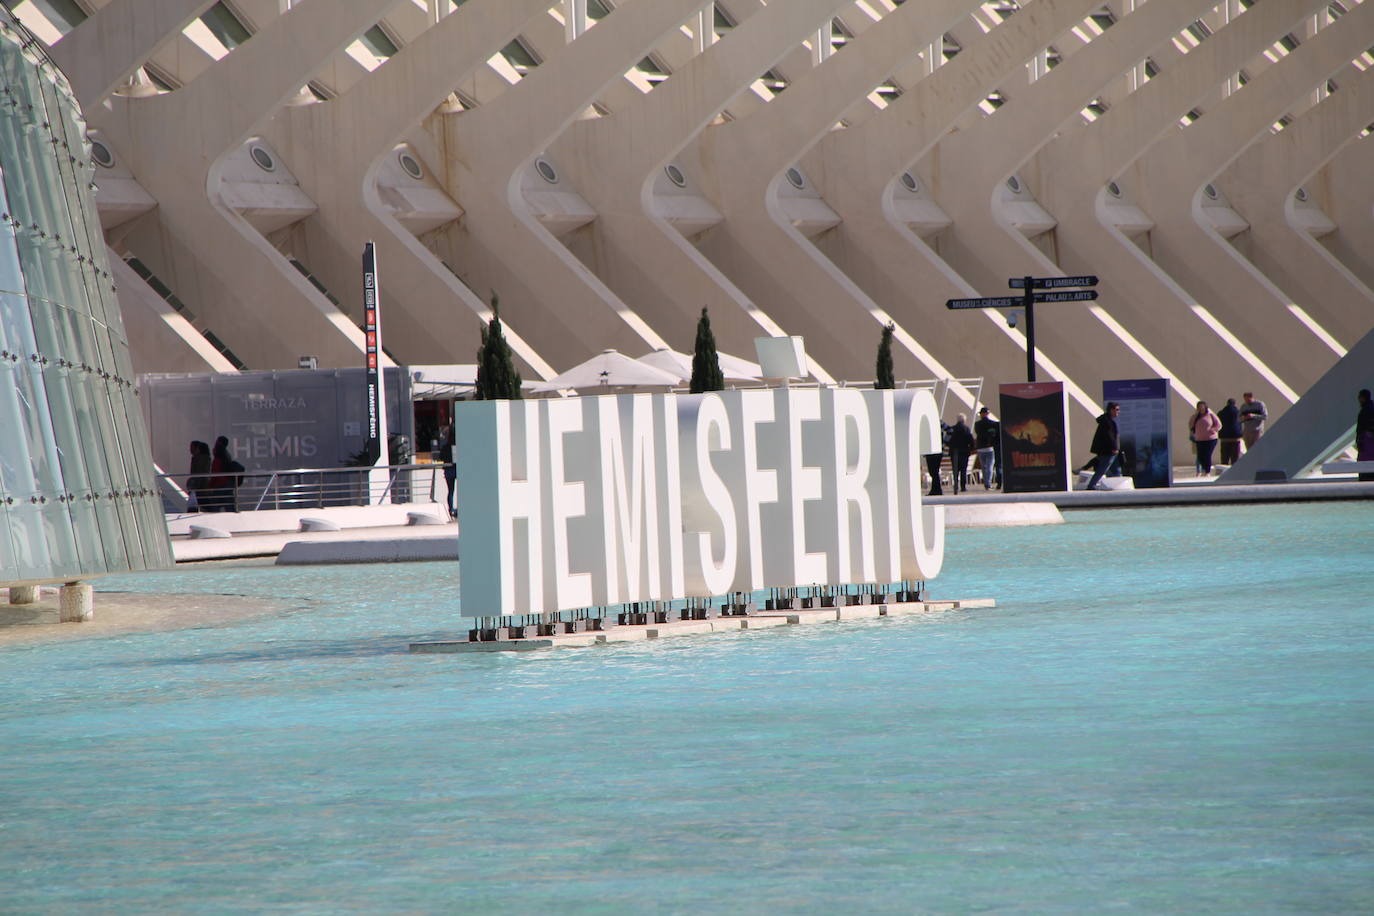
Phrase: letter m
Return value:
(629, 495)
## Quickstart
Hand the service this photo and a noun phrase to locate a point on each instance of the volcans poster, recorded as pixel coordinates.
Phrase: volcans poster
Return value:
(1144, 428)
(1035, 434)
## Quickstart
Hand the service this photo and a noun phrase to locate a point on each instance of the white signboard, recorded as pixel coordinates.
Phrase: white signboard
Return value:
(580, 502)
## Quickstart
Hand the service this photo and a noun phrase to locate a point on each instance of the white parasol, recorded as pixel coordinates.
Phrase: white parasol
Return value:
(610, 369)
(680, 364)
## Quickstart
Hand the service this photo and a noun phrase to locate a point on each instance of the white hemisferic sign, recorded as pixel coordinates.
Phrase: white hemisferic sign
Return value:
(596, 501)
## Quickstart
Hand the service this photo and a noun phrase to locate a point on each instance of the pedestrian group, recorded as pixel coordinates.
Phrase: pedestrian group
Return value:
(215, 476)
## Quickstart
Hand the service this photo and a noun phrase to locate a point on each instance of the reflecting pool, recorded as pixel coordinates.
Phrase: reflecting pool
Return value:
(1169, 711)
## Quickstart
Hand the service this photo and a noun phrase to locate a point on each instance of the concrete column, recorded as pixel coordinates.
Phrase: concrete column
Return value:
(23, 594)
(552, 297)
(76, 601)
(976, 162)
(159, 335)
(431, 315)
(615, 163)
(175, 145)
(1260, 185)
(104, 51)
(1140, 303)
(1353, 209)
(783, 272)
(1241, 306)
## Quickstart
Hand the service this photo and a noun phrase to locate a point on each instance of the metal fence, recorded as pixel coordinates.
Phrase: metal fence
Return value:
(308, 488)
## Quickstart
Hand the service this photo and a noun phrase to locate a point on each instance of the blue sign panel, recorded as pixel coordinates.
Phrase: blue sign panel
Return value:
(1144, 428)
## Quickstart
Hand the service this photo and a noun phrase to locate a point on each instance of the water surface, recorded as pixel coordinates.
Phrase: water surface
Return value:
(1168, 712)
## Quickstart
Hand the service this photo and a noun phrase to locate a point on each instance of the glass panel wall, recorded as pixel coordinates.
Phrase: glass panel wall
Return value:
(77, 494)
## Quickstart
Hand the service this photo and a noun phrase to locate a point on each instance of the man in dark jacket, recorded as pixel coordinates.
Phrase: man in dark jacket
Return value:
(1364, 430)
(960, 447)
(1106, 444)
(1229, 433)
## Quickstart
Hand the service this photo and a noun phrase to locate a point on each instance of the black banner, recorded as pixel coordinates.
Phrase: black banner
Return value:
(376, 422)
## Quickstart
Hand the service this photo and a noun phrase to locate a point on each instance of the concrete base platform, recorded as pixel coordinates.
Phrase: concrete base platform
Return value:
(988, 514)
(369, 550)
(762, 620)
(271, 543)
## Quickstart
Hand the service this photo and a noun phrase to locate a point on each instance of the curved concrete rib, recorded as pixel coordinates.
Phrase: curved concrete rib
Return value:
(431, 317)
(562, 308)
(772, 262)
(986, 251)
(1261, 184)
(1237, 302)
(1141, 303)
(158, 334)
(616, 161)
(220, 110)
(866, 267)
(104, 51)
(1353, 209)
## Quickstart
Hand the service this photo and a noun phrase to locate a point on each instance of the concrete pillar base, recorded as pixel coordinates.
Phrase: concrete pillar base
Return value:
(23, 594)
(76, 601)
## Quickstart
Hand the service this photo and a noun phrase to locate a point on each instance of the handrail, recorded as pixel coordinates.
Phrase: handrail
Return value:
(310, 487)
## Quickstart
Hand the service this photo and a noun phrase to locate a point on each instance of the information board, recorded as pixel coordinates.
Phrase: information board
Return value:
(1144, 428)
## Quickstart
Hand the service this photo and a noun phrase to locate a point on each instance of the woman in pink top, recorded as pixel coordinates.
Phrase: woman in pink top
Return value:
(1204, 426)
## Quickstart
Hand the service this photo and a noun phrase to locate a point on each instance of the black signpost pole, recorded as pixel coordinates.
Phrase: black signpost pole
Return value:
(1029, 305)
(1029, 296)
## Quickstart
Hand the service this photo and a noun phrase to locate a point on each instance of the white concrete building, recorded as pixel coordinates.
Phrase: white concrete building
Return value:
(812, 167)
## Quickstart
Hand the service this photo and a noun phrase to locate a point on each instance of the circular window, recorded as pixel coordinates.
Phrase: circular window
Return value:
(1210, 191)
(411, 166)
(1014, 184)
(1113, 189)
(1301, 195)
(795, 178)
(675, 175)
(101, 155)
(909, 182)
(546, 171)
(263, 158)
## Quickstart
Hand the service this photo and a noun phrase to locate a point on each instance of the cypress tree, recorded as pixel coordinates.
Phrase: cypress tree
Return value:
(706, 374)
(885, 378)
(497, 377)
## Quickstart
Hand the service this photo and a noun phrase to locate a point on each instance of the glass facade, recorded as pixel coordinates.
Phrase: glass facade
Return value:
(77, 495)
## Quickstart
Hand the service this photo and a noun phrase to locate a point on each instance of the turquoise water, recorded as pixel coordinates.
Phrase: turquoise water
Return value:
(1168, 712)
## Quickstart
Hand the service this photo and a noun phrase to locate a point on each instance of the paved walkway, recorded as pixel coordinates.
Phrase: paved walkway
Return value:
(1183, 494)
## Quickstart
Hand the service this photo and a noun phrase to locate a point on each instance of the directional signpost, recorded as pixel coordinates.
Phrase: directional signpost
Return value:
(1027, 301)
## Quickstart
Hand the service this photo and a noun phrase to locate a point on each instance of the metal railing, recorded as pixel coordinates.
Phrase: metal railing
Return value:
(307, 488)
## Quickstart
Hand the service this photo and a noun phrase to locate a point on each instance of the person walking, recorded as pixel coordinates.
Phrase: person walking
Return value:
(1203, 426)
(199, 481)
(1364, 431)
(450, 469)
(1252, 417)
(986, 432)
(1106, 444)
(226, 476)
(960, 447)
(218, 494)
(1229, 436)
